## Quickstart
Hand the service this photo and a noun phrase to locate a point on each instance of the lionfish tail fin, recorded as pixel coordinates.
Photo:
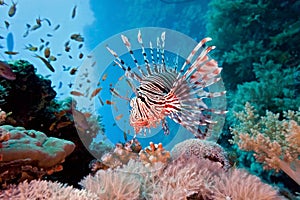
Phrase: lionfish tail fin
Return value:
(189, 101)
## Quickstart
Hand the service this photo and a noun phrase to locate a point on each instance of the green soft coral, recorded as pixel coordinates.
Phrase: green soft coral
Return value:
(275, 90)
(247, 31)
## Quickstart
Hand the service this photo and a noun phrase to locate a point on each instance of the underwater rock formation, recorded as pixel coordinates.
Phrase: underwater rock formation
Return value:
(30, 154)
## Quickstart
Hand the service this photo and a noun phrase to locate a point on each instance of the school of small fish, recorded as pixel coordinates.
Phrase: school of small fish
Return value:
(41, 49)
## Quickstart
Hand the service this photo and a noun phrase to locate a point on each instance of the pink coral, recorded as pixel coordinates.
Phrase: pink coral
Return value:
(201, 149)
(275, 142)
(240, 185)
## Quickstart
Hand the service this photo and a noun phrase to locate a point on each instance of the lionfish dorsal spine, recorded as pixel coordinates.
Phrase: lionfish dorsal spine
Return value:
(140, 40)
(128, 46)
(152, 58)
(121, 63)
(163, 38)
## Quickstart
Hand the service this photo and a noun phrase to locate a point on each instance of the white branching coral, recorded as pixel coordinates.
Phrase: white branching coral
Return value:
(275, 142)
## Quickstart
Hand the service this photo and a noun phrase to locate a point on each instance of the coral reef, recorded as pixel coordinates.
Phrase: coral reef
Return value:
(113, 184)
(40, 111)
(184, 178)
(132, 150)
(276, 89)
(36, 90)
(257, 47)
(248, 27)
(275, 142)
(201, 149)
(29, 154)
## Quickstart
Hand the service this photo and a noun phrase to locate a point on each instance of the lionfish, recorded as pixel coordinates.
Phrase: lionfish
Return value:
(163, 91)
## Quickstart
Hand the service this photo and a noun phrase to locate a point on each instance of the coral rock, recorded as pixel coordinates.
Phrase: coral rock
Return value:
(29, 152)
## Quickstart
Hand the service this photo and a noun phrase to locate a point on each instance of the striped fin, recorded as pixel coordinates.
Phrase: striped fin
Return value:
(163, 38)
(194, 51)
(152, 58)
(128, 46)
(123, 66)
(140, 40)
(185, 102)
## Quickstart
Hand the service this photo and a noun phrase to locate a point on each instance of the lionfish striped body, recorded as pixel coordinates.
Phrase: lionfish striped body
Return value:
(165, 92)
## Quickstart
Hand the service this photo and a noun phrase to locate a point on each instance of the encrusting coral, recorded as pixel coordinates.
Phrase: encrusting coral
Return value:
(275, 142)
(29, 154)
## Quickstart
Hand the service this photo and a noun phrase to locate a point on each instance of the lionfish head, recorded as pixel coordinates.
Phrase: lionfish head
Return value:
(140, 115)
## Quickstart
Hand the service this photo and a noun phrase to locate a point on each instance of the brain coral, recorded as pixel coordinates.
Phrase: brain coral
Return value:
(201, 149)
